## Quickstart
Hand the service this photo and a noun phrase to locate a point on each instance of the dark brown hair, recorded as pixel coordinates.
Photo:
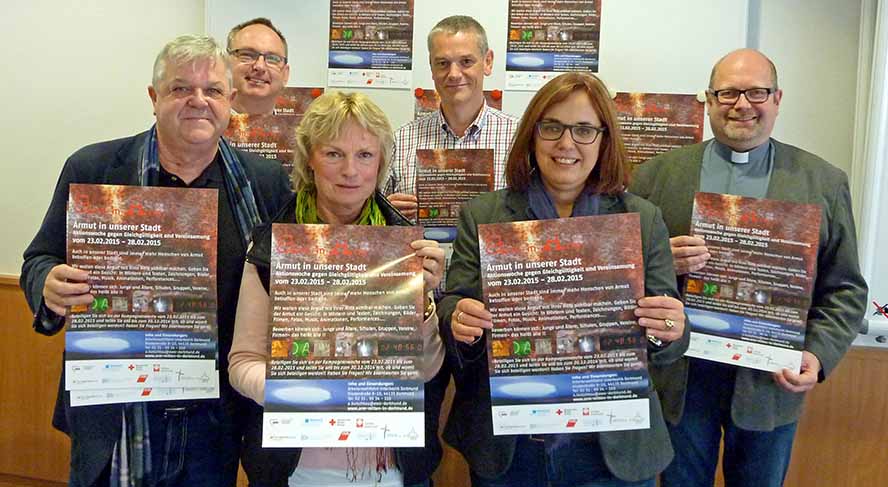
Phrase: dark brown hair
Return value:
(612, 170)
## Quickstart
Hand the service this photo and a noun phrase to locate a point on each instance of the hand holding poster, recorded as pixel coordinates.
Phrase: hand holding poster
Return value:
(749, 305)
(565, 352)
(150, 333)
(345, 343)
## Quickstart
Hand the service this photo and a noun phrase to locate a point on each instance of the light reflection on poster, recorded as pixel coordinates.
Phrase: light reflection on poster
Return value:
(565, 353)
(749, 305)
(371, 43)
(549, 37)
(150, 333)
(654, 123)
(345, 342)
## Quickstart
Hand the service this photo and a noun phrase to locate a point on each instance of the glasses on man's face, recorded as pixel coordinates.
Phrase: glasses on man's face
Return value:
(249, 56)
(729, 96)
(581, 134)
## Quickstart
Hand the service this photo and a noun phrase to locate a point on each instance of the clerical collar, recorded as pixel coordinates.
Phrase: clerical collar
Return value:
(756, 155)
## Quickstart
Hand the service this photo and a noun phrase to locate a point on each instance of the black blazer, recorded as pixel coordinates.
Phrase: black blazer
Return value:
(417, 464)
(95, 429)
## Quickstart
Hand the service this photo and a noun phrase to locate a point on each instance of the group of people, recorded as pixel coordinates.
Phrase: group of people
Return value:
(565, 157)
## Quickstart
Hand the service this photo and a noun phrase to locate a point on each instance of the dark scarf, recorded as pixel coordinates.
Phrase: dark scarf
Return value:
(542, 208)
(131, 459)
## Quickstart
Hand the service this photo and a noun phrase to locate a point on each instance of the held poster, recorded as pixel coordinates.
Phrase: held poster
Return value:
(371, 44)
(749, 305)
(445, 180)
(271, 136)
(150, 333)
(345, 343)
(565, 353)
(549, 37)
(654, 123)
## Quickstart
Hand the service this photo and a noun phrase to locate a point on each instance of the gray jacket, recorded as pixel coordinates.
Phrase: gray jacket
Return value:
(839, 300)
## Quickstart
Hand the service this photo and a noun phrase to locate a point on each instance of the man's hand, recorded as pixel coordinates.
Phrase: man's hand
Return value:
(689, 254)
(405, 203)
(804, 381)
(66, 286)
(469, 320)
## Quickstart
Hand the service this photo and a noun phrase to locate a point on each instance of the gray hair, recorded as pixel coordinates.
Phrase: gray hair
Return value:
(460, 23)
(188, 49)
(257, 21)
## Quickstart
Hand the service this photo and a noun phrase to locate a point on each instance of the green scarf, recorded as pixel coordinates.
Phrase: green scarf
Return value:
(307, 209)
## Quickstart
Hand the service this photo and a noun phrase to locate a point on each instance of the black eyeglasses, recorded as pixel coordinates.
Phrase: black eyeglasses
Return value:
(249, 56)
(729, 96)
(581, 134)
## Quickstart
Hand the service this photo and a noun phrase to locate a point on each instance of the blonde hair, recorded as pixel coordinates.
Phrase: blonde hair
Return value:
(323, 123)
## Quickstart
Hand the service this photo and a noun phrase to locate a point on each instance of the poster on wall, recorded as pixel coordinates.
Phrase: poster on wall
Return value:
(150, 333)
(428, 101)
(749, 305)
(654, 123)
(565, 353)
(271, 136)
(549, 37)
(345, 340)
(371, 44)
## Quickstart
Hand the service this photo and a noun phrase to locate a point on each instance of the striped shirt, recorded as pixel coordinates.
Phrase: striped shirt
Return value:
(492, 129)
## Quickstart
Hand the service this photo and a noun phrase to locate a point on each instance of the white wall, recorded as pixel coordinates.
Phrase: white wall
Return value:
(814, 45)
(73, 73)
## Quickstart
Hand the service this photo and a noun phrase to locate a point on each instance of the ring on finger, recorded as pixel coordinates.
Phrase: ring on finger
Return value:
(669, 324)
(459, 317)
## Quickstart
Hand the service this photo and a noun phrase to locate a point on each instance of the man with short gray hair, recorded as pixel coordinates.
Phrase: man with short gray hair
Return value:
(187, 442)
(460, 59)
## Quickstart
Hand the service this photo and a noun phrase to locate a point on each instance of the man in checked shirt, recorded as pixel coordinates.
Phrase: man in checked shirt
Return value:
(460, 59)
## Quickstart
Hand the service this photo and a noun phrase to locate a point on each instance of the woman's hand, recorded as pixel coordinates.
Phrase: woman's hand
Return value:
(432, 262)
(469, 320)
(661, 316)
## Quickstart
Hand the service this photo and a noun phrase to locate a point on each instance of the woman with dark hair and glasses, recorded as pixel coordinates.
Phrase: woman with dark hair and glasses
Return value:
(568, 159)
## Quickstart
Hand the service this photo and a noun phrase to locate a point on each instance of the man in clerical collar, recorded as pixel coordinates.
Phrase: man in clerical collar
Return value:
(756, 411)
(258, 53)
(460, 58)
